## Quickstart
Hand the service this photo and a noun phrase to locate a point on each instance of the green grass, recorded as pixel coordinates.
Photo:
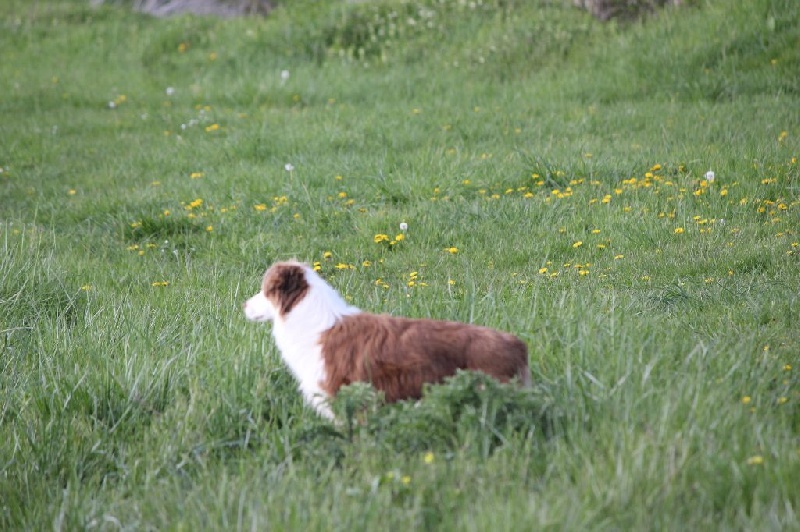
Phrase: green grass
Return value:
(563, 159)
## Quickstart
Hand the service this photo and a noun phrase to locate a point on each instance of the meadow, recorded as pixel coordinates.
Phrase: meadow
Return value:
(622, 196)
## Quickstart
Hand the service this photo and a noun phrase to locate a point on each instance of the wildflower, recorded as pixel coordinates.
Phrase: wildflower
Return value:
(755, 460)
(212, 56)
(327, 255)
(380, 237)
(403, 226)
(618, 257)
(284, 76)
(406, 480)
(182, 47)
(709, 176)
(577, 244)
(595, 231)
(678, 230)
(428, 458)
(542, 270)
(452, 250)
(72, 192)
(746, 400)
(160, 284)
(342, 266)
(170, 91)
(86, 287)
(366, 264)
(209, 228)
(196, 175)
(783, 136)
(645, 278)
(399, 237)
(782, 400)
(212, 127)
(260, 207)
(451, 282)
(601, 246)
(289, 167)
(655, 168)
(787, 367)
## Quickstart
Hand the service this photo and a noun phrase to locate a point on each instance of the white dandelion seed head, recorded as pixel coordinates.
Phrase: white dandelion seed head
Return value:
(112, 104)
(403, 226)
(710, 176)
(170, 91)
(289, 167)
(284, 75)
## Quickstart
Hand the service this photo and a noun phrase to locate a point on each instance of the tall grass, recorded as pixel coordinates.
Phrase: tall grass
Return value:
(553, 175)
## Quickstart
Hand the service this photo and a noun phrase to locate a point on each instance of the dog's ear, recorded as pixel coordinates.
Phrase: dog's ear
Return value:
(286, 286)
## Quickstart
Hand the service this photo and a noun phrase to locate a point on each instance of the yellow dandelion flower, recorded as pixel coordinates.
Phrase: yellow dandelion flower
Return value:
(317, 266)
(618, 257)
(645, 277)
(212, 127)
(542, 270)
(755, 460)
(400, 237)
(787, 367)
(196, 175)
(678, 230)
(452, 250)
(380, 237)
(577, 244)
(209, 228)
(746, 400)
(428, 458)
(342, 195)
(72, 192)
(260, 207)
(601, 246)
(782, 400)
(595, 231)
(406, 480)
(583, 272)
(160, 284)
(655, 168)
(86, 287)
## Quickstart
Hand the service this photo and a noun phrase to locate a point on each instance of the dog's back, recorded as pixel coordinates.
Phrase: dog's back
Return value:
(399, 355)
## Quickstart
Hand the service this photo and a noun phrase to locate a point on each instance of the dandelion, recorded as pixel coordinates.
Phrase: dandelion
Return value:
(160, 284)
(170, 91)
(196, 175)
(327, 255)
(284, 76)
(746, 400)
(452, 250)
(428, 458)
(212, 127)
(289, 167)
(755, 460)
(406, 480)
(403, 226)
(542, 271)
(212, 56)
(782, 400)
(209, 228)
(451, 282)
(366, 264)
(787, 367)
(260, 207)
(783, 136)
(595, 231)
(645, 278)
(619, 257)
(709, 176)
(380, 237)
(86, 287)
(72, 192)
(678, 230)
(577, 244)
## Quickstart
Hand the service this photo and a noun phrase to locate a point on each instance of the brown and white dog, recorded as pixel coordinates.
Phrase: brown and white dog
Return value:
(328, 344)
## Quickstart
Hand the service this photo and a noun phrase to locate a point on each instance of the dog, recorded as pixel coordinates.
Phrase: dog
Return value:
(327, 343)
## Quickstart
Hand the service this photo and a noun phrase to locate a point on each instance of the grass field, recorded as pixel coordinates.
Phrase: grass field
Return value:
(553, 172)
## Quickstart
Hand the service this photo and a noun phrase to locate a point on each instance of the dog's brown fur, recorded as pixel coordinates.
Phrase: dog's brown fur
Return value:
(399, 355)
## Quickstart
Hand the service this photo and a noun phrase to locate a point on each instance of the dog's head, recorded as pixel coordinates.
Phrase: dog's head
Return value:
(285, 285)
